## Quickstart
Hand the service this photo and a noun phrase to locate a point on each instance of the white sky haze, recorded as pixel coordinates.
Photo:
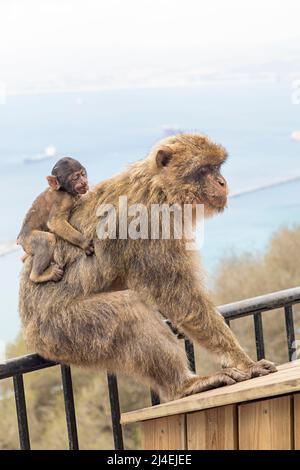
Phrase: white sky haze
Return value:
(63, 38)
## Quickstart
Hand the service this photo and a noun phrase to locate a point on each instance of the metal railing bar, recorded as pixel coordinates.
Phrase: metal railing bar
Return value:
(21, 412)
(290, 330)
(190, 352)
(23, 365)
(259, 336)
(69, 407)
(261, 303)
(115, 411)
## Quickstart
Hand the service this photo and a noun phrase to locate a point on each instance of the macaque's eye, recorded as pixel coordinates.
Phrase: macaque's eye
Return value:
(216, 167)
(211, 168)
(204, 169)
(76, 177)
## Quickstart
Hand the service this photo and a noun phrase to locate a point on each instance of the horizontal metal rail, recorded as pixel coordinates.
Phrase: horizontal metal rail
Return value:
(260, 303)
(23, 365)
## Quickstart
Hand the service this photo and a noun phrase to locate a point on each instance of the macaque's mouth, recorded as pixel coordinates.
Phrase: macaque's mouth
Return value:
(216, 202)
(82, 190)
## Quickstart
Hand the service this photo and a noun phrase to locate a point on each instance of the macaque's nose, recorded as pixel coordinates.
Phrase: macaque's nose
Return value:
(221, 180)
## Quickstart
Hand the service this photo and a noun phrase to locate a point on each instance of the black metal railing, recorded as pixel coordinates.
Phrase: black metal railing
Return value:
(256, 306)
(16, 368)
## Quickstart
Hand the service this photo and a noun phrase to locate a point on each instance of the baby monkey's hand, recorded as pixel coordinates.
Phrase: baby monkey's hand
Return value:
(88, 247)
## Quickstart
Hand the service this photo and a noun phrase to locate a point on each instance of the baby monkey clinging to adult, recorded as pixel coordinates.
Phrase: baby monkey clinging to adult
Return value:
(49, 216)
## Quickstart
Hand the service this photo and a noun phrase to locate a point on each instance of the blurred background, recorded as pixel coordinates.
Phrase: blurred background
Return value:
(104, 80)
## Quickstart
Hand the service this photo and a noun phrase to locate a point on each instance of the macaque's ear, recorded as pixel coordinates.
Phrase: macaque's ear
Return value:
(163, 157)
(53, 182)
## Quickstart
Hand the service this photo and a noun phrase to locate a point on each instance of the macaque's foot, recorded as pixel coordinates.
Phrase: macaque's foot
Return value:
(262, 367)
(57, 273)
(89, 249)
(207, 383)
(53, 273)
(237, 374)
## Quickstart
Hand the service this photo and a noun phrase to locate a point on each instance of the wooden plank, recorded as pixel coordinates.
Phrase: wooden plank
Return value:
(285, 381)
(214, 429)
(266, 425)
(164, 433)
(289, 365)
(297, 420)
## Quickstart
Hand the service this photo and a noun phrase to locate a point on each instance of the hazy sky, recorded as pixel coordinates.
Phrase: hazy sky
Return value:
(40, 38)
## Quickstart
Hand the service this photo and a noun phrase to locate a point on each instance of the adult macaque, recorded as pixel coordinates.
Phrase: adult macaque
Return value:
(114, 298)
(49, 216)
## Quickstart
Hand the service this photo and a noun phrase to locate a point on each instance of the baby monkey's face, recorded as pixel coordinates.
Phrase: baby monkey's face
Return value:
(70, 176)
(79, 182)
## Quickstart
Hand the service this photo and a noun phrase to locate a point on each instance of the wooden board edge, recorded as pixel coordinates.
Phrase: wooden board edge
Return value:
(184, 406)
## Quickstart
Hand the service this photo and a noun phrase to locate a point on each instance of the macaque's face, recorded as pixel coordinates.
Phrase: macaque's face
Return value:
(69, 175)
(77, 182)
(190, 166)
(210, 187)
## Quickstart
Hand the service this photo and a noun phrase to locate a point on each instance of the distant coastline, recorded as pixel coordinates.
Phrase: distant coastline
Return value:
(8, 247)
(273, 184)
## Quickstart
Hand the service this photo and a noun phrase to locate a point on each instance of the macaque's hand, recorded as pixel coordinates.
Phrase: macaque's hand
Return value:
(262, 367)
(88, 247)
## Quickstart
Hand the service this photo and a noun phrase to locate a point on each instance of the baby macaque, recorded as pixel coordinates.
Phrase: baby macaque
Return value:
(49, 216)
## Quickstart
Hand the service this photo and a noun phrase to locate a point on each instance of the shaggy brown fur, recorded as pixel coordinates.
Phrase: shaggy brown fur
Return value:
(105, 311)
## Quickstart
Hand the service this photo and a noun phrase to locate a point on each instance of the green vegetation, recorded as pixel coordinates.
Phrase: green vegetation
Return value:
(238, 278)
(249, 275)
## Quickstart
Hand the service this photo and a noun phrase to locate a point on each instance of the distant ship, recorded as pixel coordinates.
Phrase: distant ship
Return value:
(49, 152)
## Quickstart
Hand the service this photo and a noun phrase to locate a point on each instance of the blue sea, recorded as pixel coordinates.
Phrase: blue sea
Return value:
(107, 130)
